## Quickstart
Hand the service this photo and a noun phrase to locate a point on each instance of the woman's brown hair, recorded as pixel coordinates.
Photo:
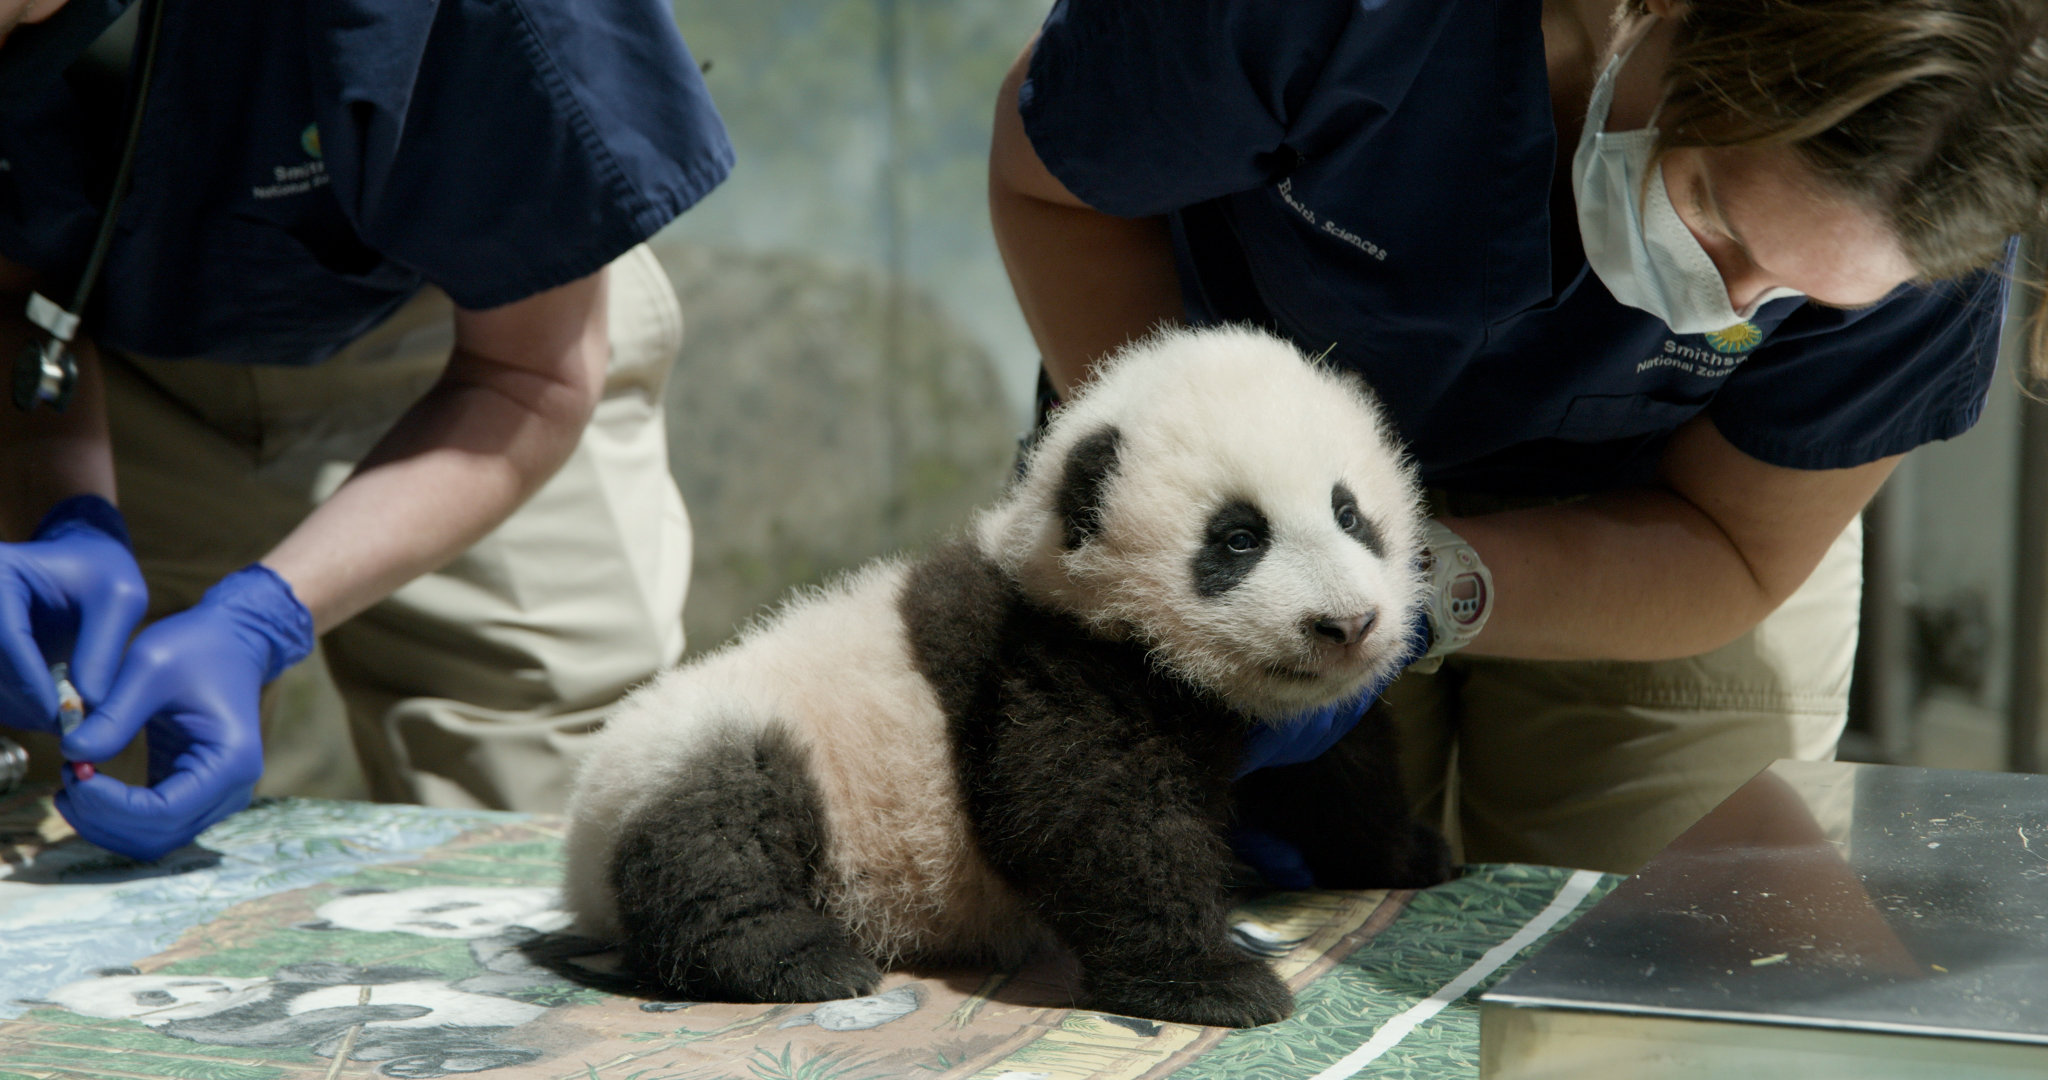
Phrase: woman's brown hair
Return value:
(1932, 112)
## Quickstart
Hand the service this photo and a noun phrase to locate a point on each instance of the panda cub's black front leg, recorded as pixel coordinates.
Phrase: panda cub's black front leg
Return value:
(1123, 855)
(1156, 947)
(1138, 894)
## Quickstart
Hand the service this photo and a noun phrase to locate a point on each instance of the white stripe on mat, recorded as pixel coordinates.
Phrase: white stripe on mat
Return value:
(1393, 1031)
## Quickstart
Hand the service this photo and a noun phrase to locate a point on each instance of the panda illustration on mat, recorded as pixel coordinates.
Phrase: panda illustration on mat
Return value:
(410, 1021)
(1028, 734)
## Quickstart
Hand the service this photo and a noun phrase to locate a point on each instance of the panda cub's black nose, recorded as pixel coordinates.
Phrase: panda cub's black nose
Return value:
(1344, 629)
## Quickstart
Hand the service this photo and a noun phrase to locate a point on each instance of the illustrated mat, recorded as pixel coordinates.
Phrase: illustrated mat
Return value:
(311, 940)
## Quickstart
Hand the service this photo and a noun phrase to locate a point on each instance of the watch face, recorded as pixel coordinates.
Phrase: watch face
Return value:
(1467, 595)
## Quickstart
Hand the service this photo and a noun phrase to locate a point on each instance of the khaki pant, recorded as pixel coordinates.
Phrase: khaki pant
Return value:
(478, 684)
(1600, 764)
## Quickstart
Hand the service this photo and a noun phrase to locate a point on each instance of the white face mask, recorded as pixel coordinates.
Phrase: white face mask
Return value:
(1634, 239)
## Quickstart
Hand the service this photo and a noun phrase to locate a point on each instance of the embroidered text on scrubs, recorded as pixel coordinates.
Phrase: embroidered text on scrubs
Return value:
(293, 180)
(1286, 189)
(1691, 360)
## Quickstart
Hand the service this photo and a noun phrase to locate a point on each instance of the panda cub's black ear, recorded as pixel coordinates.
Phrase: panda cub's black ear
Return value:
(1083, 482)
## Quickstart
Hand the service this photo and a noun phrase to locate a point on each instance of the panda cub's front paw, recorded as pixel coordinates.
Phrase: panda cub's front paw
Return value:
(1237, 992)
(821, 971)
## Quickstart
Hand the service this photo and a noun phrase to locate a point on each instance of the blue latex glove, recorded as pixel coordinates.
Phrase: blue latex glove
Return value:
(194, 680)
(1308, 736)
(1300, 739)
(1276, 860)
(1305, 737)
(71, 592)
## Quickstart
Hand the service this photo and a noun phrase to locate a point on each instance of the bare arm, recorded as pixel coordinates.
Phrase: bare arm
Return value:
(1087, 282)
(47, 456)
(1663, 572)
(519, 388)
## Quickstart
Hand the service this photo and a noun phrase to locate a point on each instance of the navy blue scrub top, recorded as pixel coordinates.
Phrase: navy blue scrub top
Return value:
(306, 167)
(1374, 177)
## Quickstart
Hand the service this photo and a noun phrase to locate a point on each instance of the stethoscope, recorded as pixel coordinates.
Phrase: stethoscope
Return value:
(46, 371)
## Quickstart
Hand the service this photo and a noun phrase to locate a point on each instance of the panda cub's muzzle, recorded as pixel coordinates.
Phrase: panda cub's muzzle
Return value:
(1341, 631)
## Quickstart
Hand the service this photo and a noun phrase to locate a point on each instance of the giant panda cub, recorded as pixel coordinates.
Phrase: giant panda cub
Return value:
(1030, 732)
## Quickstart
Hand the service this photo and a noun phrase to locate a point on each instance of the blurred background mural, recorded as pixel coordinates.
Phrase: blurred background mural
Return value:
(855, 370)
(855, 375)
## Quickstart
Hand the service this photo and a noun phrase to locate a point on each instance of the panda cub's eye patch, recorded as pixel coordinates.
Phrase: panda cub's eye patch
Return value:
(1344, 506)
(1233, 541)
(1239, 526)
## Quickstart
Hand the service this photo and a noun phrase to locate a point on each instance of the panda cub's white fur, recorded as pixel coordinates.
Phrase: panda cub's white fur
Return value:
(903, 870)
(1129, 528)
(1208, 412)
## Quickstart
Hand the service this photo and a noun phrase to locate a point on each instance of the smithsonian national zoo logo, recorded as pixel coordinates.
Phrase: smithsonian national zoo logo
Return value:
(1736, 340)
(1726, 348)
(296, 177)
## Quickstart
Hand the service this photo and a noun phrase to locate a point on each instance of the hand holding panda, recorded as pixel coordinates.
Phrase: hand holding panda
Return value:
(1029, 734)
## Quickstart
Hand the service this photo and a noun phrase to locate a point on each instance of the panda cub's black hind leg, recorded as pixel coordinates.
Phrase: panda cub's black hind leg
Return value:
(716, 881)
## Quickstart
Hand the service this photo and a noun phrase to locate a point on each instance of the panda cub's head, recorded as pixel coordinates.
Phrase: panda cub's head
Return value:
(1241, 510)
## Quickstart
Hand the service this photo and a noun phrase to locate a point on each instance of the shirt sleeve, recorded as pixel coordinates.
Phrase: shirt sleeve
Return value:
(46, 223)
(1144, 106)
(500, 148)
(1834, 389)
